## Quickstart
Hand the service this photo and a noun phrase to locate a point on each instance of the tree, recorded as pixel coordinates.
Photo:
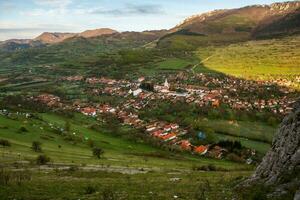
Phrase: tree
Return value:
(147, 86)
(97, 152)
(36, 146)
(67, 126)
(42, 160)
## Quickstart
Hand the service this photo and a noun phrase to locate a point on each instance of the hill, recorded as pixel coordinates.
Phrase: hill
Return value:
(96, 32)
(286, 25)
(52, 38)
(233, 25)
(258, 59)
(13, 45)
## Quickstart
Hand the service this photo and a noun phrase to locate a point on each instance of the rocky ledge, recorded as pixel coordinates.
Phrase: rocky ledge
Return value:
(280, 168)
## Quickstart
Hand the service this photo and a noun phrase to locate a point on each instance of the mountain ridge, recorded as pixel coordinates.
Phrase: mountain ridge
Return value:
(56, 37)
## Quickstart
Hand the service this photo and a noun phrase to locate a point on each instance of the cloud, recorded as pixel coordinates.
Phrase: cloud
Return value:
(55, 3)
(130, 9)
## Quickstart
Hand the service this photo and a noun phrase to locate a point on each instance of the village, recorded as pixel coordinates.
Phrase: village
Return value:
(137, 98)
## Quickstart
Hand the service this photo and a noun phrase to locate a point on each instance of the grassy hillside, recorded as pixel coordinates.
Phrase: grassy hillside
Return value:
(75, 148)
(261, 59)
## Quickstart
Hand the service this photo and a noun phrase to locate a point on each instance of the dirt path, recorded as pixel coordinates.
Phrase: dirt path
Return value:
(206, 59)
(87, 168)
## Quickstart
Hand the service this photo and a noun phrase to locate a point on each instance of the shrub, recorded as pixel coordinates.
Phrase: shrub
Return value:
(42, 160)
(97, 152)
(67, 126)
(90, 189)
(36, 146)
(73, 168)
(209, 167)
(5, 143)
(212, 167)
(23, 129)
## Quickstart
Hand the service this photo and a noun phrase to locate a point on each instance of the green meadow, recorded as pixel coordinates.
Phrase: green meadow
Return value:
(117, 151)
(258, 60)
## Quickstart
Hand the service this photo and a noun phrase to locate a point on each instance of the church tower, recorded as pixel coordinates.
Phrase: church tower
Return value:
(166, 84)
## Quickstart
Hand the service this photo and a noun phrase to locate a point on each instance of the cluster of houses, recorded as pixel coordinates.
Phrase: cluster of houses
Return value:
(169, 133)
(292, 81)
(200, 95)
(213, 91)
(49, 99)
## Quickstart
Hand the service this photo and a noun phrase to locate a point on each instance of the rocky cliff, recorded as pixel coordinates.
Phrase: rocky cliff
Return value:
(280, 167)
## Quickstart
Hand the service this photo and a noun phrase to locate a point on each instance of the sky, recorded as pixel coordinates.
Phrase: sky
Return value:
(26, 19)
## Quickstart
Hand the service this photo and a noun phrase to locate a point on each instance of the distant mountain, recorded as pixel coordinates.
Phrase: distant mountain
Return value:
(235, 25)
(14, 44)
(51, 38)
(97, 32)
(76, 50)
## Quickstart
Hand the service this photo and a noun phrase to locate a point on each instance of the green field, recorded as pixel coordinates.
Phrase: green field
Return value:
(127, 170)
(173, 64)
(261, 59)
(118, 151)
(252, 135)
(250, 130)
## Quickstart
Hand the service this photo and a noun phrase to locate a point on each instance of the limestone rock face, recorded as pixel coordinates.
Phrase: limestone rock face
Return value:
(281, 165)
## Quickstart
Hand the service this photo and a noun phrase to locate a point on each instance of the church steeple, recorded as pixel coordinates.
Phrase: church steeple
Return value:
(166, 84)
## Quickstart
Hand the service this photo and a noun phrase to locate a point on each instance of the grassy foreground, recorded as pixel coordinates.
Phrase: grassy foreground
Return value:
(127, 170)
(67, 184)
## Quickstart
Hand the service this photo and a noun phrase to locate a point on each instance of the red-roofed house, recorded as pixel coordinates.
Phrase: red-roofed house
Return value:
(89, 111)
(201, 149)
(157, 133)
(168, 137)
(185, 145)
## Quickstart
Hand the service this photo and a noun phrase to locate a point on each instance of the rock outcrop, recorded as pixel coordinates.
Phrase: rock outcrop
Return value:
(280, 167)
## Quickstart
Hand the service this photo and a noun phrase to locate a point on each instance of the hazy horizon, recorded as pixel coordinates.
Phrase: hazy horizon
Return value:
(29, 18)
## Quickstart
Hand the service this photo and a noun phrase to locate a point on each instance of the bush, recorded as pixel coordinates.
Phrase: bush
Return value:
(73, 168)
(23, 129)
(90, 189)
(36, 146)
(230, 145)
(42, 160)
(97, 152)
(5, 143)
(212, 167)
(209, 167)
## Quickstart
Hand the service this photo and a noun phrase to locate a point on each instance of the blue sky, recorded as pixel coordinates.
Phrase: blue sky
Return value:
(29, 18)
